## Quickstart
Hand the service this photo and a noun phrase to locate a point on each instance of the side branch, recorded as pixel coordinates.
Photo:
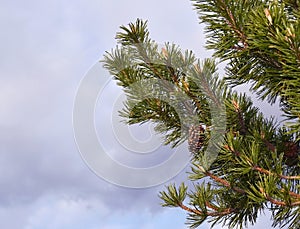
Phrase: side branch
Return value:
(256, 168)
(262, 170)
(239, 190)
(232, 24)
(225, 183)
(282, 203)
(221, 181)
(237, 108)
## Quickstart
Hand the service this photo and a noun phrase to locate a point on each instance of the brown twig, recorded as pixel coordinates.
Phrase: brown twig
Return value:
(195, 211)
(221, 181)
(225, 183)
(281, 203)
(259, 169)
(293, 194)
(232, 150)
(209, 205)
(209, 213)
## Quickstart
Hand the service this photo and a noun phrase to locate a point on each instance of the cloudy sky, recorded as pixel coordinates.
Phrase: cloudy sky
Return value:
(47, 48)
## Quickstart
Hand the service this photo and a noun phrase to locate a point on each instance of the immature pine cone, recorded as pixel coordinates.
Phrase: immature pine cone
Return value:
(291, 153)
(196, 138)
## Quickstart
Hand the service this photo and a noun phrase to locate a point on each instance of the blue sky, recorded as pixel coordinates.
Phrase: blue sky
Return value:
(46, 49)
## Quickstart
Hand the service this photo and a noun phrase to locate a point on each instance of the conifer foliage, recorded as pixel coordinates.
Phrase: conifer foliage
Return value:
(256, 161)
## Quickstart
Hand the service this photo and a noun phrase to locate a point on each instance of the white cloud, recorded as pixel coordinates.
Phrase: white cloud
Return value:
(56, 213)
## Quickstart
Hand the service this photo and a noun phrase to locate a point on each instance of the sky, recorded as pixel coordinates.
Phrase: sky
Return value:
(47, 49)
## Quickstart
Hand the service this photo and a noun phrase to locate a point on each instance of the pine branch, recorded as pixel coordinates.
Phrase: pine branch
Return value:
(258, 162)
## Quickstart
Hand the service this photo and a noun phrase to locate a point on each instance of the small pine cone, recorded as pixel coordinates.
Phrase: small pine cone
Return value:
(196, 138)
(291, 153)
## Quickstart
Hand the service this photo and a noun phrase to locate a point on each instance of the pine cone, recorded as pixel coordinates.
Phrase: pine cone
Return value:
(196, 138)
(291, 153)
